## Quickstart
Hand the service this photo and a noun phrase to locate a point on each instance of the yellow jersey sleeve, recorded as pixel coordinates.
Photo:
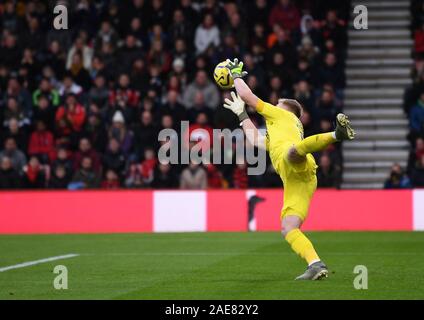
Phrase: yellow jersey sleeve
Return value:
(268, 111)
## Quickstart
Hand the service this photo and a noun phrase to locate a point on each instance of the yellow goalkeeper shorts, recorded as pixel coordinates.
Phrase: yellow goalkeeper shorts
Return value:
(300, 183)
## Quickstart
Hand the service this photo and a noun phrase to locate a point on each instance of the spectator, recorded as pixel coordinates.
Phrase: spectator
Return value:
(334, 28)
(174, 108)
(148, 165)
(164, 177)
(307, 50)
(181, 27)
(71, 116)
(9, 51)
(308, 124)
(237, 31)
(134, 179)
(45, 89)
(284, 14)
(16, 91)
(419, 39)
(418, 173)
(303, 94)
(397, 179)
(114, 159)
(193, 177)
(41, 142)
(84, 53)
(9, 177)
(327, 174)
(95, 131)
(308, 29)
(240, 178)
(68, 86)
(111, 180)
(15, 132)
(203, 85)
(326, 108)
(331, 73)
(416, 117)
(15, 155)
(129, 52)
(86, 151)
(119, 131)
(207, 35)
(106, 34)
(63, 159)
(123, 93)
(85, 177)
(78, 71)
(201, 133)
(215, 178)
(258, 12)
(160, 57)
(44, 111)
(59, 179)
(416, 154)
(35, 174)
(15, 111)
(99, 93)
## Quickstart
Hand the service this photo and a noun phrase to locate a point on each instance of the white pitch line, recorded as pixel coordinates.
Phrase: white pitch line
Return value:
(32, 263)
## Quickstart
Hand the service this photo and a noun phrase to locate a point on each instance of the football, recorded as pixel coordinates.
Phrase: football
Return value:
(222, 76)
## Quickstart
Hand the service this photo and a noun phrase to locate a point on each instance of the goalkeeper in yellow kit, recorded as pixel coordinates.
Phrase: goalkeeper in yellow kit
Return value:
(291, 157)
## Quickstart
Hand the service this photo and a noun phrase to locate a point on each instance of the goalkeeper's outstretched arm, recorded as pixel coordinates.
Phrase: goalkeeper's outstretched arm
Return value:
(245, 93)
(254, 137)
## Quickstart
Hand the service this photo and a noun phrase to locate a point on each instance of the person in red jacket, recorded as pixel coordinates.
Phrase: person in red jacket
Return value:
(215, 179)
(200, 133)
(285, 14)
(419, 39)
(123, 93)
(41, 142)
(72, 113)
(240, 179)
(148, 165)
(111, 180)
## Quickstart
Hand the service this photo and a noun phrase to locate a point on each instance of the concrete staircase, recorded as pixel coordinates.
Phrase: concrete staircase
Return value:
(378, 70)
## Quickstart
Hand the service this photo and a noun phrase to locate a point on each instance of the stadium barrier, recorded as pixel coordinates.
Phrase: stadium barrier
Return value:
(25, 212)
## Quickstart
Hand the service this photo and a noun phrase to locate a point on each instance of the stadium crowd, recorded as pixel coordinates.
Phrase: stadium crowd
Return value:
(82, 107)
(413, 104)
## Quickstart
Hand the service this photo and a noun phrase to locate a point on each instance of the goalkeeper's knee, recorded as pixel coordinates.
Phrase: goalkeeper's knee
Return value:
(294, 156)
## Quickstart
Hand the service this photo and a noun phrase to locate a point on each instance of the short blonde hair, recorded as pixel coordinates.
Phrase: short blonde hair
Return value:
(293, 106)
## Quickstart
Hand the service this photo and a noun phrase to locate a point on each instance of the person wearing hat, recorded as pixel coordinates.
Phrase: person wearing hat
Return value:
(119, 131)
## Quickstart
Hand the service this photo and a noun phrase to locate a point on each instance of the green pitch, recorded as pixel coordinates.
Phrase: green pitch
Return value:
(211, 266)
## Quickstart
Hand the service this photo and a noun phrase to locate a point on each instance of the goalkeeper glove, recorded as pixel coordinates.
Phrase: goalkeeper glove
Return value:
(236, 106)
(236, 68)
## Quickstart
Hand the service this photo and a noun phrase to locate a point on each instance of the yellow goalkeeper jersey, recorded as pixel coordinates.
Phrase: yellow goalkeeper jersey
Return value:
(284, 130)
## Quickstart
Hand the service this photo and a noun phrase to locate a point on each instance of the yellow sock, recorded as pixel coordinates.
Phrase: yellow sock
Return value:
(315, 143)
(302, 246)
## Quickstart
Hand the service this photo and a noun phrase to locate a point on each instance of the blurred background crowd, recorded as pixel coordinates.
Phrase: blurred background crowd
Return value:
(413, 105)
(82, 108)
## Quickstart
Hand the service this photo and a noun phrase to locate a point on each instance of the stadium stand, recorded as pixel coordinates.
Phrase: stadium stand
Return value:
(81, 108)
(378, 70)
(413, 102)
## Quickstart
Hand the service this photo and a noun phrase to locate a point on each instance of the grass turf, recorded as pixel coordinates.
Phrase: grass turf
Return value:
(212, 266)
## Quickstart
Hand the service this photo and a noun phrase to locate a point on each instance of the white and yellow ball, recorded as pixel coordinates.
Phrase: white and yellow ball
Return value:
(222, 76)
